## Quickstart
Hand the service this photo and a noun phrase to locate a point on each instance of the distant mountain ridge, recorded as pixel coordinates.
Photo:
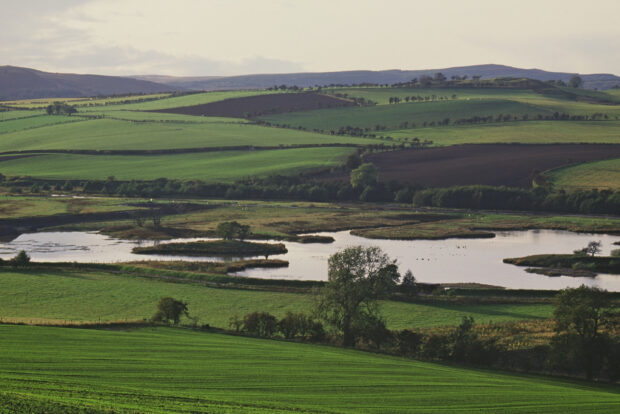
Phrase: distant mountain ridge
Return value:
(592, 81)
(25, 83)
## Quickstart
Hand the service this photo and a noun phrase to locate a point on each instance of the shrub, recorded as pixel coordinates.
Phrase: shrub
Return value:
(21, 259)
(261, 324)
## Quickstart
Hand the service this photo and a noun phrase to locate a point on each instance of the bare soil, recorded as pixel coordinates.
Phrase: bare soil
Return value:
(251, 106)
(485, 164)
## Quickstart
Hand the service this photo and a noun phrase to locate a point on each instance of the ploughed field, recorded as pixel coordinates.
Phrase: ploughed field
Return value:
(486, 164)
(262, 105)
(163, 370)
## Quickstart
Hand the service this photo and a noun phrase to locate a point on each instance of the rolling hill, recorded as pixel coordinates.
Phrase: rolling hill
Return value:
(25, 83)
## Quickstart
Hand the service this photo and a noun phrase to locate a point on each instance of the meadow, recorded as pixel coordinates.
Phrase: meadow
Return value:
(210, 167)
(600, 174)
(65, 295)
(164, 370)
(393, 116)
(113, 134)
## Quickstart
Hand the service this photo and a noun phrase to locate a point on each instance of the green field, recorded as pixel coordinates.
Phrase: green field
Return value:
(163, 370)
(392, 116)
(21, 124)
(217, 166)
(109, 134)
(531, 132)
(599, 174)
(55, 295)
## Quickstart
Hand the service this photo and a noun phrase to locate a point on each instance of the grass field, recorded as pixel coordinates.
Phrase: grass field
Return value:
(531, 132)
(163, 370)
(219, 166)
(62, 295)
(80, 102)
(109, 134)
(16, 207)
(20, 124)
(392, 116)
(600, 174)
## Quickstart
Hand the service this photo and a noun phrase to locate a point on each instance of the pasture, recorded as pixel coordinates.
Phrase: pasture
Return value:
(65, 295)
(164, 370)
(598, 174)
(112, 134)
(394, 116)
(210, 167)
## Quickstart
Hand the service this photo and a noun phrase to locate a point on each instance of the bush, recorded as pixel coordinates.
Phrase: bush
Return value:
(170, 310)
(261, 324)
(20, 260)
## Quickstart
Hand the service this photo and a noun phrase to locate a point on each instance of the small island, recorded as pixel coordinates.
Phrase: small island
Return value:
(214, 248)
(582, 263)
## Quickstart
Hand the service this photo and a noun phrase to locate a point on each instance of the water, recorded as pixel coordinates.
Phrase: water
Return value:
(431, 261)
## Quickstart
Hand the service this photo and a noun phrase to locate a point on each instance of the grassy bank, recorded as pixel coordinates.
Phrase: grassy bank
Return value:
(570, 262)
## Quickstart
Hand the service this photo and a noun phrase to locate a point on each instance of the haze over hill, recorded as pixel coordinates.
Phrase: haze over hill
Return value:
(25, 83)
(591, 81)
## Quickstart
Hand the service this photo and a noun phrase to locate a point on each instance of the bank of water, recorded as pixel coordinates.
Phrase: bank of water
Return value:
(432, 261)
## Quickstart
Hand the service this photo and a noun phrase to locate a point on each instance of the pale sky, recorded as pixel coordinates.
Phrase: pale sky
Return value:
(230, 37)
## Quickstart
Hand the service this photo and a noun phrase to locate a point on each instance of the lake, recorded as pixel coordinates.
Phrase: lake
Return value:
(431, 261)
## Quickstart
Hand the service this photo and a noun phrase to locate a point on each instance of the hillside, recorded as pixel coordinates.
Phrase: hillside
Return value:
(25, 83)
(598, 81)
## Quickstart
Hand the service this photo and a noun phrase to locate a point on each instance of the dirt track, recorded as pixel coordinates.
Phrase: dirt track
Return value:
(261, 105)
(489, 164)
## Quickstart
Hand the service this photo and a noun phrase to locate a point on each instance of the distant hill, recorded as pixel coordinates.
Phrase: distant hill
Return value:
(598, 81)
(24, 83)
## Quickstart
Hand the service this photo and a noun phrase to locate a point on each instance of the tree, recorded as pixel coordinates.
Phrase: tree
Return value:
(592, 248)
(170, 309)
(580, 314)
(409, 285)
(260, 324)
(353, 161)
(575, 82)
(357, 278)
(21, 259)
(364, 176)
(230, 230)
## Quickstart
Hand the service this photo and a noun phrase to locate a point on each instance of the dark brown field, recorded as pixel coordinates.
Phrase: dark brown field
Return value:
(493, 164)
(262, 105)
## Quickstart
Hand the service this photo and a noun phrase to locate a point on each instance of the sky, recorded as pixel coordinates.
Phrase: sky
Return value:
(233, 37)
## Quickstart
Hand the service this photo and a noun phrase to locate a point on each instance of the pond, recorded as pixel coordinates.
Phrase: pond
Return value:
(431, 261)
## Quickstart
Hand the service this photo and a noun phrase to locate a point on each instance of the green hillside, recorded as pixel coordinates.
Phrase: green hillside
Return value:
(163, 370)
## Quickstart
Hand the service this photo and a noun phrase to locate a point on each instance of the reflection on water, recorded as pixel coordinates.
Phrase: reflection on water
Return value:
(432, 261)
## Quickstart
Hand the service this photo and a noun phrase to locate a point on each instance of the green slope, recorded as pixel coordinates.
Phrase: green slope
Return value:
(93, 296)
(599, 174)
(392, 116)
(218, 166)
(163, 370)
(109, 134)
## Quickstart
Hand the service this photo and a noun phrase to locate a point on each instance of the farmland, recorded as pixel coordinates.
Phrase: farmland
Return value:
(220, 166)
(263, 104)
(600, 174)
(509, 165)
(64, 295)
(167, 370)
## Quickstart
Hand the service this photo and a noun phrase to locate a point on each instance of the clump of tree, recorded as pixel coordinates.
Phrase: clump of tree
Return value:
(357, 278)
(232, 230)
(170, 310)
(364, 176)
(60, 108)
(593, 248)
(584, 318)
(575, 81)
(291, 326)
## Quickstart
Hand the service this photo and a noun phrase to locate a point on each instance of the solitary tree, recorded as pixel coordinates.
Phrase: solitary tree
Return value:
(170, 310)
(21, 259)
(409, 285)
(575, 82)
(365, 175)
(357, 278)
(580, 314)
(593, 248)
